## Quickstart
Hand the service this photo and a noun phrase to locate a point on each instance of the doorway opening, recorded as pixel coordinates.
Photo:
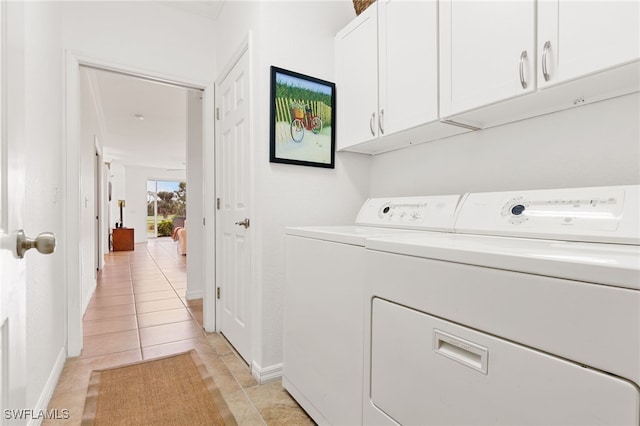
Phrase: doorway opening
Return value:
(166, 207)
(121, 176)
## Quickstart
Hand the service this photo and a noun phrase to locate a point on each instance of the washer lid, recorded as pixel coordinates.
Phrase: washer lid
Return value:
(609, 264)
(354, 235)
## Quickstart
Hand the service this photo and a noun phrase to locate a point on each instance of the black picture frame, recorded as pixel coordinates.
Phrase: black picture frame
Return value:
(302, 120)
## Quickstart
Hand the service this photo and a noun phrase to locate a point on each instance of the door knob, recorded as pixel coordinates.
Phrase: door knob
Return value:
(244, 223)
(45, 243)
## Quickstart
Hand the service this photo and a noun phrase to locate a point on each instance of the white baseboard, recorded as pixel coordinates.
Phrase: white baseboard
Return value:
(191, 295)
(264, 374)
(49, 387)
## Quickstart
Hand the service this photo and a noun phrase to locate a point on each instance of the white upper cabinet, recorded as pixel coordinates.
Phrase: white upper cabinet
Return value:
(487, 52)
(356, 68)
(387, 78)
(408, 46)
(580, 37)
(557, 53)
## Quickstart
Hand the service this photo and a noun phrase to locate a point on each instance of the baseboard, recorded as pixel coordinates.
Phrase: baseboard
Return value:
(191, 295)
(265, 374)
(47, 392)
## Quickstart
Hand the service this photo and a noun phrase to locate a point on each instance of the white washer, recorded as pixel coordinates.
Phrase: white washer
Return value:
(323, 340)
(480, 329)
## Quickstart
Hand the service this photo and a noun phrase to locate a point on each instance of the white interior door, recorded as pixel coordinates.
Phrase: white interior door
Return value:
(12, 192)
(233, 249)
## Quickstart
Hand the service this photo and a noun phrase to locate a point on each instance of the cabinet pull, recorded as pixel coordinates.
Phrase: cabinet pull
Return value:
(523, 57)
(373, 130)
(381, 121)
(545, 69)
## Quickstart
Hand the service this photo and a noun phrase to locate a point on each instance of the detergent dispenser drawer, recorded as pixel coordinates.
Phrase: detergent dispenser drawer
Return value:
(425, 370)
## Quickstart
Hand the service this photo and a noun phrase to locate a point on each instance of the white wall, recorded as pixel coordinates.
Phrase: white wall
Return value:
(195, 205)
(144, 35)
(236, 19)
(118, 178)
(592, 145)
(135, 210)
(46, 291)
(297, 36)
(295, 195)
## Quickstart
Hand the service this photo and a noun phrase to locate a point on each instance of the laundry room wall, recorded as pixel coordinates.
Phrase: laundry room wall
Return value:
(591, 145)
(144, 35)
(289, 195)
(296, 195)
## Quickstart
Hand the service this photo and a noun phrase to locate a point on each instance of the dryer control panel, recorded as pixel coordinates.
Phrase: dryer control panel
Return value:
(600, 214)
(435, 212)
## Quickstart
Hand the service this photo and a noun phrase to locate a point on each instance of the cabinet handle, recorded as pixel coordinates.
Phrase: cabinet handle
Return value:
(373, 130)
(523, 57)
(545, 69)
(381, 121)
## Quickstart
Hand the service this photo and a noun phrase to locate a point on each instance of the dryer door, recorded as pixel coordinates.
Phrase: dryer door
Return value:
(425, 370)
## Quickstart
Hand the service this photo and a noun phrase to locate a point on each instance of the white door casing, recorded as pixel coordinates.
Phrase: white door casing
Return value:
(233, 243)
(12, 202)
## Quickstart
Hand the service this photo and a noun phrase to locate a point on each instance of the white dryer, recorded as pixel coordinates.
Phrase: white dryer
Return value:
(530, 314)
(323, 339)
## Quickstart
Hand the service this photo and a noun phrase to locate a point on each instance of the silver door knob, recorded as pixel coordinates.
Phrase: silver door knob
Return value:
(244, 223)
(45, 243)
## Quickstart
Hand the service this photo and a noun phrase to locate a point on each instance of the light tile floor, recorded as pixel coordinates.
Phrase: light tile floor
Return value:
(139, 312)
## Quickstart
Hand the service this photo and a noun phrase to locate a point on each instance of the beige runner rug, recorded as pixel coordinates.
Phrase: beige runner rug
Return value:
(174, 390)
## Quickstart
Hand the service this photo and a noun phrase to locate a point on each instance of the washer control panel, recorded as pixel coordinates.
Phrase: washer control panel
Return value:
(426, 213)
(594, 213)
(602, 214)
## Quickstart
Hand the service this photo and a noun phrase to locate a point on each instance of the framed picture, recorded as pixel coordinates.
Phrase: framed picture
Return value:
(303, 116)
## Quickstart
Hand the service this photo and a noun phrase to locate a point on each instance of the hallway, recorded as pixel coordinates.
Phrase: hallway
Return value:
(139, 312)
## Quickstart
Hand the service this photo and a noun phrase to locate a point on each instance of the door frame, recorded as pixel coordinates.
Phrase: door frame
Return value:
(70, 241)
(99, 204)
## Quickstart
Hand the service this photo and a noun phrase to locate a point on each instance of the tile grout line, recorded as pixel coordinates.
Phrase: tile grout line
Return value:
(172, 287)
(135, 312)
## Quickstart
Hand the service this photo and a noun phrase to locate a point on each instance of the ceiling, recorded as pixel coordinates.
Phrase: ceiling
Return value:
(157, 140)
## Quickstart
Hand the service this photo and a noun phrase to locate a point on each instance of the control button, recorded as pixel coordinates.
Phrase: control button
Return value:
(517, 209)
(386, 210)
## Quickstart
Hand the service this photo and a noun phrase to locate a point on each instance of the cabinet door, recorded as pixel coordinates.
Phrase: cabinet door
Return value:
(585, 36)
(482, 47)
(408, 65)
(356, 56)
